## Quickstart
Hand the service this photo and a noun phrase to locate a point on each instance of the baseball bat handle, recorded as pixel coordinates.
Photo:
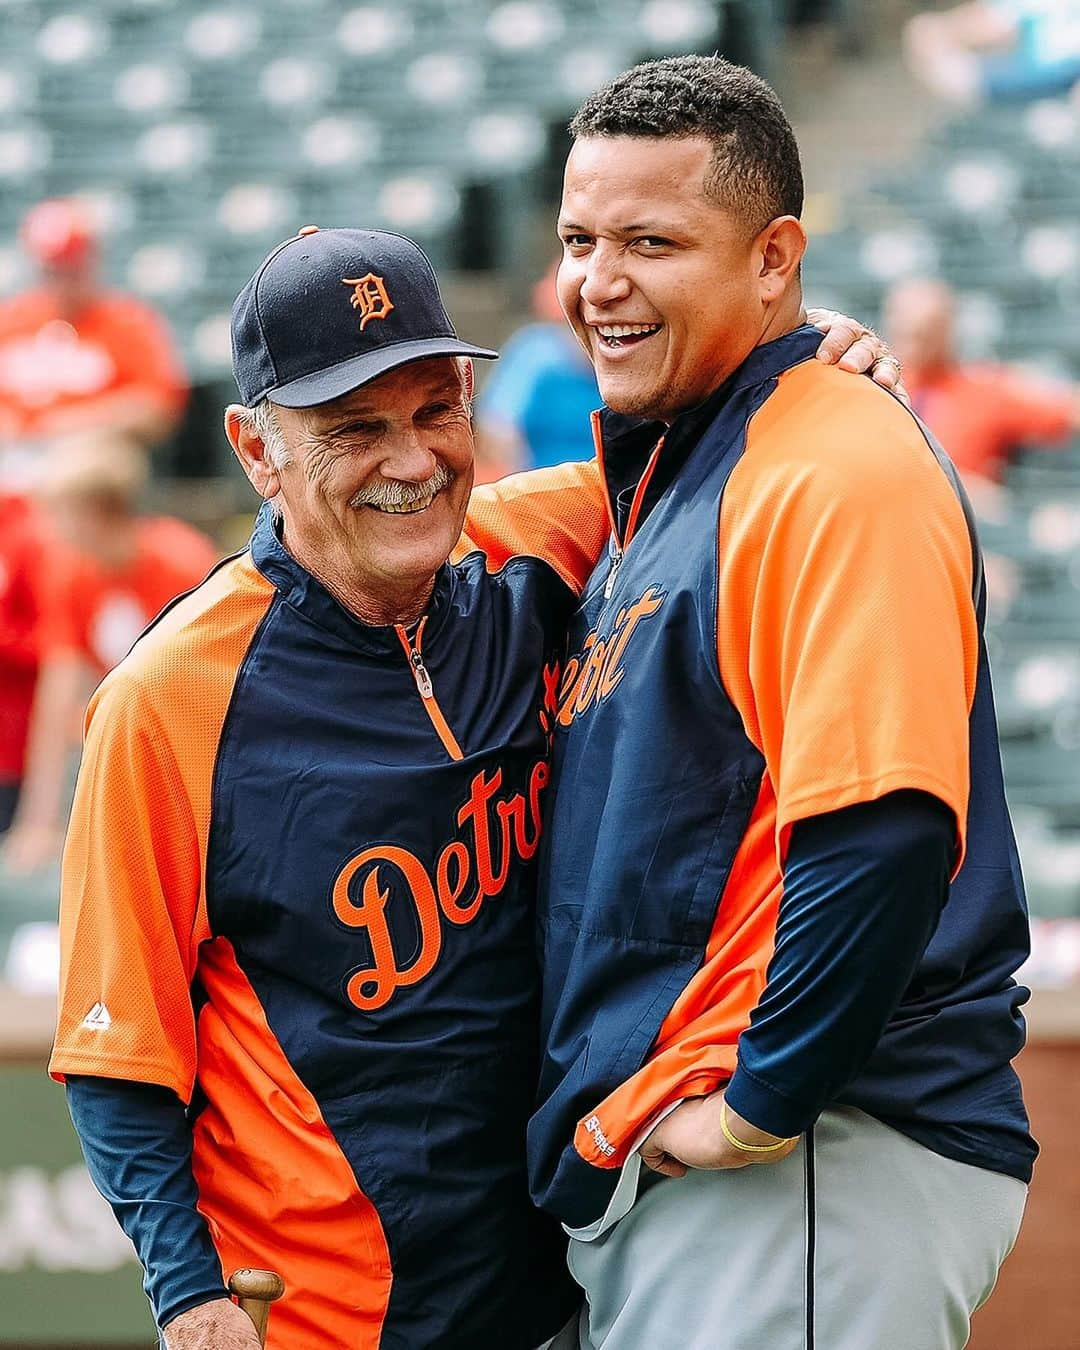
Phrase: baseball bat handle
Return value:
(255, 1290)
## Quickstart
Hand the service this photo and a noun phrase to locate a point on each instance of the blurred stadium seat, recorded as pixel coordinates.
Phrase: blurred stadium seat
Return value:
(991, 203)
(236, 121)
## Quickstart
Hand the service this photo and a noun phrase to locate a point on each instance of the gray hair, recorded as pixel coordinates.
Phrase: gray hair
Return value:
(262, 420)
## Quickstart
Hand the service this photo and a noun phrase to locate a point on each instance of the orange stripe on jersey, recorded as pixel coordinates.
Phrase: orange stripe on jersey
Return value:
(597, 423)
(558, 514)
(639, 491)
(133, 898)
(695, 1050)
(639, 494)
(274, 1186)
(413, 649)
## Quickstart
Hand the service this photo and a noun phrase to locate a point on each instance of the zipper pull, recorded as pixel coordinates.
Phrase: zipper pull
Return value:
(609, 585)
(420, 675)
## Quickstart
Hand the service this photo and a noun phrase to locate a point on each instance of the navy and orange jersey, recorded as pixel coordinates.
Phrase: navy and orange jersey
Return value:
(786, 626)
(299, 892)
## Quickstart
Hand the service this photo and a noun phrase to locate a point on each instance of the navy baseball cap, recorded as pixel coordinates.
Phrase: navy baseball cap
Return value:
(330, 310)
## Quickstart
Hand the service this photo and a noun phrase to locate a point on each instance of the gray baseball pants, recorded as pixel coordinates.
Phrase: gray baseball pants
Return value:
(861, 1239)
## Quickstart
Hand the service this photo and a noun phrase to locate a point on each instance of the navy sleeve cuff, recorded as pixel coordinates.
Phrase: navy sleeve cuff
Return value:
(137, 1143)
(763, 1107)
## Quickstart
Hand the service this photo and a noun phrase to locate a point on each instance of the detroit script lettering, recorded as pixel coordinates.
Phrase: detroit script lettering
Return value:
(596, 672)
(471, 869)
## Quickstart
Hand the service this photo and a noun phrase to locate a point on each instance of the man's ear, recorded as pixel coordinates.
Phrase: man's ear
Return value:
(250, 450)
(781, 245)
(468, 377)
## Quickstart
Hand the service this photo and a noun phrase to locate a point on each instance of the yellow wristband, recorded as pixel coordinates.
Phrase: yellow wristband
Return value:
(738, 1143)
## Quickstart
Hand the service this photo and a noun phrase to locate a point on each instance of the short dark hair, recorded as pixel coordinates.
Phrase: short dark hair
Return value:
(755, 168)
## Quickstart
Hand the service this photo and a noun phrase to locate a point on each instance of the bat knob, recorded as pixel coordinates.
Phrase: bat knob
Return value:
(265, 1285)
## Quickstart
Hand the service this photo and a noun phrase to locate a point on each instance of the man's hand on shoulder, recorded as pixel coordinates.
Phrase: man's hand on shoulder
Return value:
(853, 346)
(693, 1136)
(217, 1325)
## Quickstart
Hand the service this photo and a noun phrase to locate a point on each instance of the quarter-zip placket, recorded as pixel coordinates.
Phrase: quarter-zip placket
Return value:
(413, 650)
(621, 545)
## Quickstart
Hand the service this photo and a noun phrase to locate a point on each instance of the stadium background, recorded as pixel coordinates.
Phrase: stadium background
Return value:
(199, 134)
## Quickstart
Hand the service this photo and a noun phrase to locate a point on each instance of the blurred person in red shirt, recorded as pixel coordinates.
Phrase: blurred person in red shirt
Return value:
(981, 412)
(75, 356)
(21, 554)
(107, 574)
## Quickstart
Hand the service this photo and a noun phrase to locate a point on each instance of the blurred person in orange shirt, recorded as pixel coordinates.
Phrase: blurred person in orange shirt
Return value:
(982, 412)
(21, 553)
(75, 356)
(108, 572)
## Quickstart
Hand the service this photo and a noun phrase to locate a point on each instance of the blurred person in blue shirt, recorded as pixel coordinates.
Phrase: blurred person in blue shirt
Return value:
(535, 408)
(997, 50)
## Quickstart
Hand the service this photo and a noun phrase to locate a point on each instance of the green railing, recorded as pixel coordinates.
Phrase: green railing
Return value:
(68, 1276)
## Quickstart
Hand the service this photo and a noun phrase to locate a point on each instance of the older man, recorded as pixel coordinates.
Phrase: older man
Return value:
(775, 745)
(298, 884)
(298, 1006)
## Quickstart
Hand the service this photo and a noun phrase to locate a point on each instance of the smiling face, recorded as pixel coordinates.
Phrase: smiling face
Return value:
(666, 290)
(374, 486)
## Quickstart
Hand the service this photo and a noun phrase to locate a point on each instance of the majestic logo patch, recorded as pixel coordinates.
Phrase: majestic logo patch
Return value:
(596, 671)
(98, 1018)
(495, 831)
(600, 1139)
(369, 297)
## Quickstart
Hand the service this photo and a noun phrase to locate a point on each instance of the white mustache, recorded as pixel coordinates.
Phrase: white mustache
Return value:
(394, 493)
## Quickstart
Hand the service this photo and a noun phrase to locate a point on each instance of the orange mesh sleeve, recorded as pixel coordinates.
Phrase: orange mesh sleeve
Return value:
(131, 912)
(557, 514)
(847, 638)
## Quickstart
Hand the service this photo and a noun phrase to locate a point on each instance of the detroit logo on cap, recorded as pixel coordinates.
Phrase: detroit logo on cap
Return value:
(369, 297)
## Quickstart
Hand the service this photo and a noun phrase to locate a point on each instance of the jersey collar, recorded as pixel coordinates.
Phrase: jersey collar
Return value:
(628, 441)
(306, 594)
